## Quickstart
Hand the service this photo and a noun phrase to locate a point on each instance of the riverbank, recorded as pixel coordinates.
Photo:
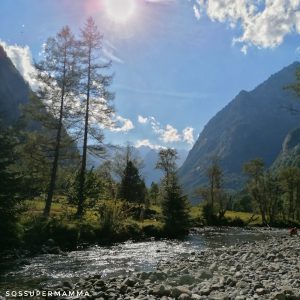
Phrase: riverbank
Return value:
(268, 269)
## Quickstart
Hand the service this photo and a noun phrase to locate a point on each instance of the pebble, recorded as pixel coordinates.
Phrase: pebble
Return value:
(262, 270)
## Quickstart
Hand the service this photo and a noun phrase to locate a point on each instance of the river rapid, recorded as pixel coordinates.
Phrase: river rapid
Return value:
(120, 259)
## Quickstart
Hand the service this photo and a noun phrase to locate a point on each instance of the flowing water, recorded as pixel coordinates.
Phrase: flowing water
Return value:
(121, 258)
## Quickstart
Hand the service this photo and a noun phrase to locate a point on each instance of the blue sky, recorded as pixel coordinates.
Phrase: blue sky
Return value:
(176, 62)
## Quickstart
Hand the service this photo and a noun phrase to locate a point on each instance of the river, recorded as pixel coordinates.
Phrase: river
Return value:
(120, 258)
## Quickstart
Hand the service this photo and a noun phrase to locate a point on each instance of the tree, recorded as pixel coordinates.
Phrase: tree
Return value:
(290, 182)
(154, 193)
(34, 162)
(96, 107)
(215, 177)
(132, 187)
(121, 159)
(175, 207)
(93, 189)
(256, 187)
(109, 184)
(272, 193)
(58, 77)
(167, 162)
(9, 188)
(216, 198)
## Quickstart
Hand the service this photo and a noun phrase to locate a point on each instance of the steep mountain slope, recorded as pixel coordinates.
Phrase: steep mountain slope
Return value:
(14, 91)
(252, 125)
(290, 154)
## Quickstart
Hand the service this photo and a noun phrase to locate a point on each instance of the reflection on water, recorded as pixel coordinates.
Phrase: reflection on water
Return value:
(121, 258)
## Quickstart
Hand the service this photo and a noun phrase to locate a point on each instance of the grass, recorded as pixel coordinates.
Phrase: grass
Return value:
(111, 225)
(61, 208)
(244, 216)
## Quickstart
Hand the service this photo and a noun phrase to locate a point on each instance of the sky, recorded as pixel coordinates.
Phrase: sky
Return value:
(176, 63)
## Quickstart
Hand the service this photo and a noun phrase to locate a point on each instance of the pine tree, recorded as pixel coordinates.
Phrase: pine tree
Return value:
(58, 77)
(175, 206)
(96, 107)
(154, 193)
(132, 188)
(9, 189)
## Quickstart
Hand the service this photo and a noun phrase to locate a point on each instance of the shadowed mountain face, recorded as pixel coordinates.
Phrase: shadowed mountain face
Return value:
(252, 125)
(14, 91)
(290, 154)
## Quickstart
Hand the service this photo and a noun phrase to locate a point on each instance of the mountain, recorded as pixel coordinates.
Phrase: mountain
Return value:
(252, 125)
(14, 91)
(290, 154)
(149, 157)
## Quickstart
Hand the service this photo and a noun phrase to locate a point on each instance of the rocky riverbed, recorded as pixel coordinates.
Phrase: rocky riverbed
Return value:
(267, 269)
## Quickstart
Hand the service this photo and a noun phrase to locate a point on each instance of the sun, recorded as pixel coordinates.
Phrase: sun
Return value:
(120, 11)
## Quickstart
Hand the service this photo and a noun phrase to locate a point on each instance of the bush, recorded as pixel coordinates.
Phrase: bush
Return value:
(208, 215)
(41, 229)
(111, 219)
(236, 222)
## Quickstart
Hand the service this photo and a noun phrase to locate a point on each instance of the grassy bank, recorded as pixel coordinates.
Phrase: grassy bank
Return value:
(110, 222)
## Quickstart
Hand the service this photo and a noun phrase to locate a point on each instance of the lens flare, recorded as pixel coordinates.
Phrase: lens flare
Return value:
(120, 11)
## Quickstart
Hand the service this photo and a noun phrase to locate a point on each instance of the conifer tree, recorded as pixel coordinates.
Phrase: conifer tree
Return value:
(132, 188)
(58, 75)
(96, 108)
(175, 206)
(9, 188)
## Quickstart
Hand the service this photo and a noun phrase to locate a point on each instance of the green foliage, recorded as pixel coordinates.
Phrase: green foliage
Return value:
(215, 197)
(167, 161)
(276, 195)
(132, 187)
(175, 208)
(10, 189)
(154, 193)
(242, 202)
(93, 189)
(96, 108)
(111, 219)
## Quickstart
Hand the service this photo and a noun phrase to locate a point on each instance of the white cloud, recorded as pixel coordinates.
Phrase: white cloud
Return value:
(147, 143)
(22, 60)
(197, 12)
(188, 135)
(121, 125)
(170, 134)
(142, 120)
(264, 23)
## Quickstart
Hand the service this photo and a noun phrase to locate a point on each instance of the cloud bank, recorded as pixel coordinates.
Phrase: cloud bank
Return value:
(168, 133)
(147, 143)
(22, 60)
(264, 23)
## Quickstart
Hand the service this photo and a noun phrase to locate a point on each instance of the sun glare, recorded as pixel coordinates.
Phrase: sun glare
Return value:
(120, 11)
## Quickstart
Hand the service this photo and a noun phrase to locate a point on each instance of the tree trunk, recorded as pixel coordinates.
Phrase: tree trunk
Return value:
(57, 146)
(82, 176)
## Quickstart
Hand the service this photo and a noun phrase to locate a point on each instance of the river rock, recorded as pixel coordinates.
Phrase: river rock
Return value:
(186, 279)
(263, 270)
(184, 297)
(177, 291)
